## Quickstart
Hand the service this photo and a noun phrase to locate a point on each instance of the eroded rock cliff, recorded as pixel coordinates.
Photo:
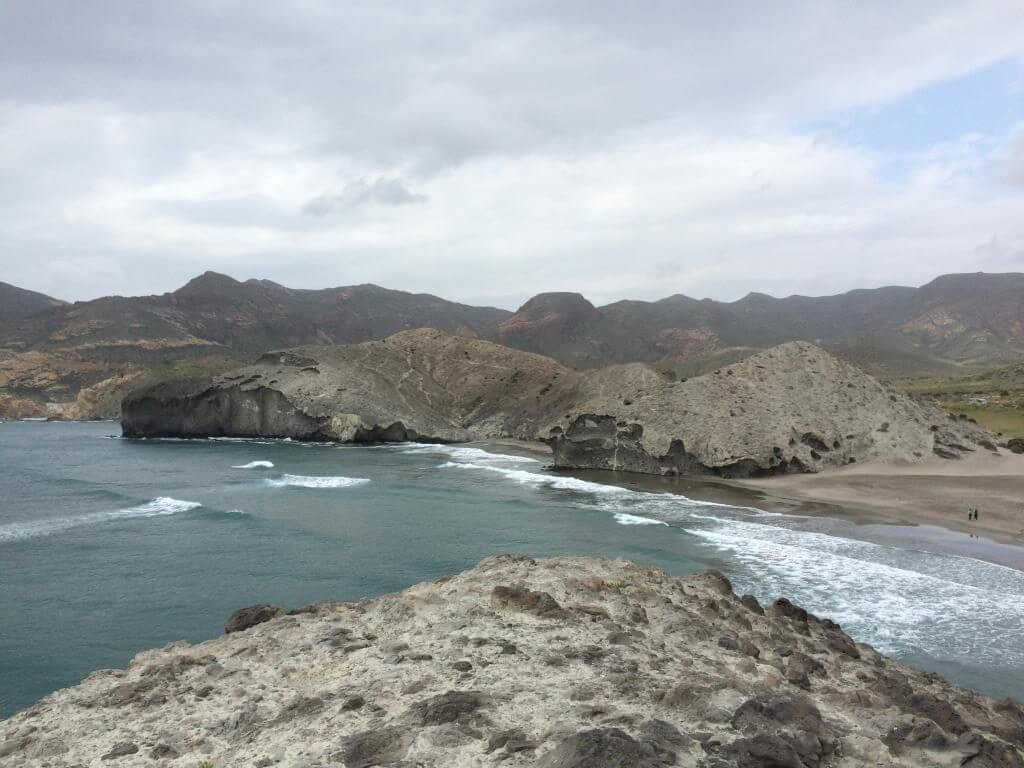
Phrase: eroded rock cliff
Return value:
(791, 408)
(567, 662)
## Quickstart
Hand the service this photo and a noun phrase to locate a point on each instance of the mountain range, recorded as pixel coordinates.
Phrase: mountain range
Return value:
(52, 351)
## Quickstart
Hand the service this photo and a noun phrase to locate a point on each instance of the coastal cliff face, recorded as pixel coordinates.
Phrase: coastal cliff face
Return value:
(559, 663)
(416, 385)
(792, 408)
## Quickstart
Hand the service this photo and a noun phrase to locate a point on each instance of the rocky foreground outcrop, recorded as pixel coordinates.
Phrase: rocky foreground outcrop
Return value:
(566, 662)
(790, 408)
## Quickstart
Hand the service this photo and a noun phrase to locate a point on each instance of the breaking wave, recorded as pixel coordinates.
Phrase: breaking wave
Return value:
(306, 481)
(255, 465)
(162, 505)
(538, 480)
(624, 518)
(467, 453)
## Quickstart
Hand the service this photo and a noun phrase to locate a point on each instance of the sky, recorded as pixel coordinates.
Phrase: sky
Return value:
(487, 151)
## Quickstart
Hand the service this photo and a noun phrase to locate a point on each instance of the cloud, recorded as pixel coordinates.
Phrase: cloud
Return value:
(380, 191)
(1014, 157)
(620, 152)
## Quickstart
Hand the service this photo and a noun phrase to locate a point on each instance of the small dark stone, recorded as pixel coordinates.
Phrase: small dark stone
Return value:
(448, 707)
(716, 581)
(604, 748)
(509, 649)
(302, 706)
(513, 740)
(337, 637)
(205, 691)
(120, 750)
(840, 642)
(763, 750)
(761, 714)
(619, 638)
(520, 598)
(462, 666)
(783, 607)
(751, 604)
(799, 668)
(352, 702)
(939, 710)
(985, 753)
(638, 614)
(163, 751)
(378, 746)
(263, 762)
(749, 648)
(588, 654)
(250, 616)
(664, 737)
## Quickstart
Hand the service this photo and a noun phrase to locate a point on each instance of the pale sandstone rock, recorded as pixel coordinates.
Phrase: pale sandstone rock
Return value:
(283, 691)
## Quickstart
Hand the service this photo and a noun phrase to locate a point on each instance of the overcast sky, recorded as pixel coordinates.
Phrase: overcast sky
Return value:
(489, 151)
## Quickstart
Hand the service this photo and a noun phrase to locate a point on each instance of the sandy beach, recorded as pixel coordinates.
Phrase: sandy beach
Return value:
(935, 492)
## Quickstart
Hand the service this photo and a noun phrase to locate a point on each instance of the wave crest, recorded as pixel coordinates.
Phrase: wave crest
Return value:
(30, 529)
(307, 481)
(467, 453)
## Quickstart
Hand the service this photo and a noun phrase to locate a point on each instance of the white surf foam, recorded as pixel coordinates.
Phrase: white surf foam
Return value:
(306, 481)
(672, 506)
(255, 465)
(624, 518)
(468, 453)
(899, 600)
(538, 480)
(162, 505)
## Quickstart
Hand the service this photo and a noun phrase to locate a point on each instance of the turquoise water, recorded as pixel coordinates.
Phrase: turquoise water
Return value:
(110, 546)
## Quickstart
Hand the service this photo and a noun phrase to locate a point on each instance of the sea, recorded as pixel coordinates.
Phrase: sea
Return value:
(109, 546)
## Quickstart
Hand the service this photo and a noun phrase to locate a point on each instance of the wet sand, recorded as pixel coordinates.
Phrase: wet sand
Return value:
(936, 492)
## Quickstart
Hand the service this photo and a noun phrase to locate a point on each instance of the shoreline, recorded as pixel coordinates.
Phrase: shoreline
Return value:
(936, 492)
(909, 506)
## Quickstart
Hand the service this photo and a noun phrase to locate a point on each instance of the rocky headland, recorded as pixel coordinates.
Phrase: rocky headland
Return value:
(565, 662)
(792, 408)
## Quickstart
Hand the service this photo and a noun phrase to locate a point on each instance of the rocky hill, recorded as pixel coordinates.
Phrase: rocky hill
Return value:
(211, 324)
(16, 304)
(559, 663)
(215, 322)
(790, 408)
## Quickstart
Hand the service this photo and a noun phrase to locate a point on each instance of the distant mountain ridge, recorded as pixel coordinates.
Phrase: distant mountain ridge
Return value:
(954, 318)
(18, 303)
(249, 317)
(50, 351)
